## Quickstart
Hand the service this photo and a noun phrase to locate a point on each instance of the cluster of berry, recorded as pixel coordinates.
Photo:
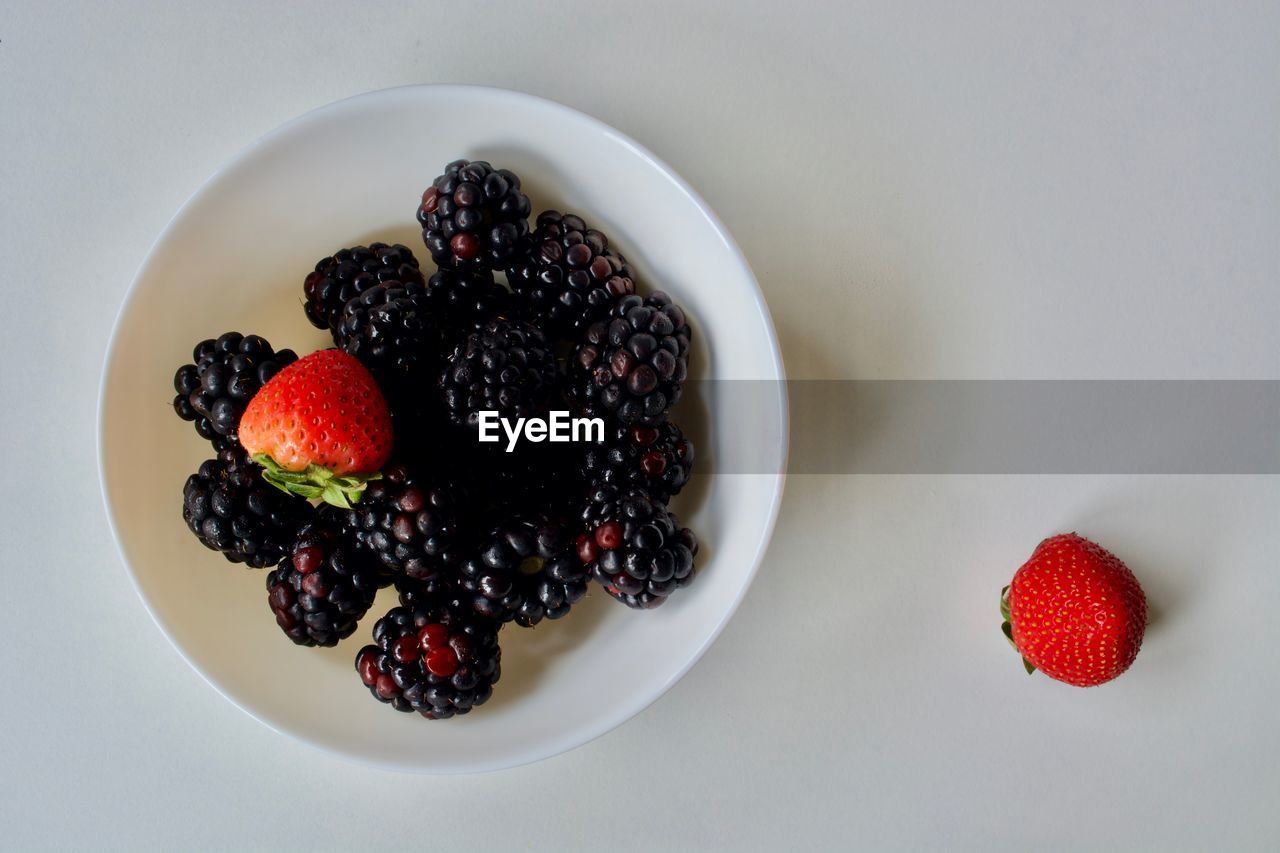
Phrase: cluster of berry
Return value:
(358, 467)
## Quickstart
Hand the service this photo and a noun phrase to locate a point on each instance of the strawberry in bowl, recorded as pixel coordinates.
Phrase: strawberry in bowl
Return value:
(320, 428)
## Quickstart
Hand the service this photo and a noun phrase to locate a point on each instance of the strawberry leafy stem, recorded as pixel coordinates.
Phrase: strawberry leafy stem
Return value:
(1007, 627)
(316, 482)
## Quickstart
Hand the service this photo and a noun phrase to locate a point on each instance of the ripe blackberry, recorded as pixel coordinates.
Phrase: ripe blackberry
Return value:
(506, 367)
(465, 300)
(632, 365)
(473, 216)
(438, 658)
(226, 373)
(349, 272)
(413, 594)
(524, 569)
(232, 509)
(407, 523)
(657, 459)
(635, 548)
(323, 588)
(568, 277)
(391, 330)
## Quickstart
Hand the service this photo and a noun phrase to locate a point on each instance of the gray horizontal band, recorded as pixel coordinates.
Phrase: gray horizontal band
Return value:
(987, 427)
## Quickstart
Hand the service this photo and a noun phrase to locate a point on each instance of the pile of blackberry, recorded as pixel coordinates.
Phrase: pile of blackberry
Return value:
(472, 536)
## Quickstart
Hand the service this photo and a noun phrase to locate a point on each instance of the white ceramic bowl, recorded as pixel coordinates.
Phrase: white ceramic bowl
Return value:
(234, 257)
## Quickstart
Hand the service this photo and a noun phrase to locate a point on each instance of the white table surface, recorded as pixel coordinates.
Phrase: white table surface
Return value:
(990, 190)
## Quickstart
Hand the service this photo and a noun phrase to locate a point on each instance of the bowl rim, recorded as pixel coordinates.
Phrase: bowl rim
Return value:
(629, 710)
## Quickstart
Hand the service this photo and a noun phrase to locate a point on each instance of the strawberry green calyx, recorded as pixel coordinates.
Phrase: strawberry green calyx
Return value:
(316, 482)
(1007, 627)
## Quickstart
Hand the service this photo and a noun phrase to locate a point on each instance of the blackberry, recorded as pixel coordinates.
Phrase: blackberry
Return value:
(465, 300)
(408, 524)
(232, 509)
(438, 658)
(525, 569)
(322, 589)
(473, 216)
(391, 330)
(657, 459)
(349, 272)
(413, 594)
(226, 373)
(632, 365)
(568, 277)
(634, 547)
(506, 367)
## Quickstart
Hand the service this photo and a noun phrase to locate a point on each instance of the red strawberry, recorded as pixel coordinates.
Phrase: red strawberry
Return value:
(320, 427)
(1075, 612)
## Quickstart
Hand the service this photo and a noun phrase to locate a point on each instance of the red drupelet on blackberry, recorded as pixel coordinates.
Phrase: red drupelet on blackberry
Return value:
(525, 569)
(438, 658)
(348, 273)
(214, 391)
(232, 509)
(657, 459)
(631, 366)
(391, 329)
(505, 367)
(322, 589)
(409, 524)
(473, 216)
(465, 300)
(634, 547)
(568, 277)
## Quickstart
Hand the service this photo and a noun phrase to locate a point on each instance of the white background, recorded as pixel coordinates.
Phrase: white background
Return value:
(982, 190)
